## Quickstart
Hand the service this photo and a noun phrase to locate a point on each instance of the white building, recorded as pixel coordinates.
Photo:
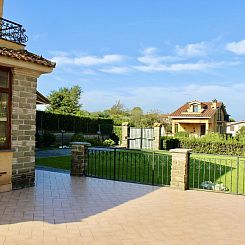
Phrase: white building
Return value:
(233, 127)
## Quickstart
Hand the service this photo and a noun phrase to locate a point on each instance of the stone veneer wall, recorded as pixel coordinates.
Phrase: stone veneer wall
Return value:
(24, 85)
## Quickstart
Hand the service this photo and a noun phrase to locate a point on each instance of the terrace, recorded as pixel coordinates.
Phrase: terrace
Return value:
(61, 209)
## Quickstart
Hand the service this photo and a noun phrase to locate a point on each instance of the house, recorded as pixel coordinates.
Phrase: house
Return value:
(199, 118)
(19, 71)
(233, 127)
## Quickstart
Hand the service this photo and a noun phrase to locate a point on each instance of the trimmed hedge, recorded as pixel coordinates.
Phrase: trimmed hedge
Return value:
(199, 145)
(56, 122)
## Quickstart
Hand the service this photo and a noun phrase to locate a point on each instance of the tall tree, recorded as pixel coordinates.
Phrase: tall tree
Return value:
(65, 101)
(136, 116)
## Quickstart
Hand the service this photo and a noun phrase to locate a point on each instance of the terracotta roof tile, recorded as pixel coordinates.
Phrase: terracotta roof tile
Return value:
(24, 55)
(207, 112)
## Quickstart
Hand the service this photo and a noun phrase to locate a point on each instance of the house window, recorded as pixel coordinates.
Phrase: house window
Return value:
(195, 108)
(5, 109)
(232, 128)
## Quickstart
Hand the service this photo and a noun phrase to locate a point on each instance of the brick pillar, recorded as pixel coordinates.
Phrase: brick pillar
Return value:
(79, 159)
(125, 132)
(156, 144)
(179, 170)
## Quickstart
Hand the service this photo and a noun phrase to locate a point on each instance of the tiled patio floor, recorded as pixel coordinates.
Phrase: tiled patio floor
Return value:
(64, 210)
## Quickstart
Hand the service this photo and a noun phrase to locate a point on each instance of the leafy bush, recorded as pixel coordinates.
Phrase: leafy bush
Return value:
(209, 144)
(77, 137)
(47, 139)
(117, 131)
(94, 142)
(169, 143)
(108, 142)
(182, 135)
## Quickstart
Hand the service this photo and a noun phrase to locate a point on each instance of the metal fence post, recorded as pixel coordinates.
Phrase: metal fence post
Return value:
(114, 174)
(237, 175)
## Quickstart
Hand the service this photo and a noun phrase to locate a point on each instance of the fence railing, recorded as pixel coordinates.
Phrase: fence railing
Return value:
(129, 165)
(12, 31)
(217, 173)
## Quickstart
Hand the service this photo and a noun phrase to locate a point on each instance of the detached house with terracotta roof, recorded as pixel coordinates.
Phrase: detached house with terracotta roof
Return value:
(19, 70)
(199, 118)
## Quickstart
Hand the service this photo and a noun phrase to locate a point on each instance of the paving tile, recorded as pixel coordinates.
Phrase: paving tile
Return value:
(70, 210)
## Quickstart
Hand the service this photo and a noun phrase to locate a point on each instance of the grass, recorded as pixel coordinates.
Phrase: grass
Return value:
(131, 166)
(228, 170)
(63, 162)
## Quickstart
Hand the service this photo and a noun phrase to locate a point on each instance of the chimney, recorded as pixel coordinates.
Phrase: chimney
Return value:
(1, 8)
(214, 104)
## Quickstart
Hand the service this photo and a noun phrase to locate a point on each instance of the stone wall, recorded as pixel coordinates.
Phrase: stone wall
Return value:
(24, 85)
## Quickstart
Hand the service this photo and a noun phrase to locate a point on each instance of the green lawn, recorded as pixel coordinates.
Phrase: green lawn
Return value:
(134, 166)
(55, 162)
(226, 170)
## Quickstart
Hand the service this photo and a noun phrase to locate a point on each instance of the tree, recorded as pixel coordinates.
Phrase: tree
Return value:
(231, 119)
(136, 115)
(117, 109)
(65, 101)
(240, 135)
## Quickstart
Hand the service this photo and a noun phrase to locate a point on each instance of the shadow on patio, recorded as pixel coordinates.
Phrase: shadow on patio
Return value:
(60, 198)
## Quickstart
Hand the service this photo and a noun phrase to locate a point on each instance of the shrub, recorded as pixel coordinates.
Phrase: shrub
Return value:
(169, 143)
(211, 144)
(48, 139)
(117, 130)
(182, 135)
(77, 137)
(95, 142)
(108, 142)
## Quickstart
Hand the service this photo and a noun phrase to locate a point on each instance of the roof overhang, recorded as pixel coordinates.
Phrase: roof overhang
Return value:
(41, 99)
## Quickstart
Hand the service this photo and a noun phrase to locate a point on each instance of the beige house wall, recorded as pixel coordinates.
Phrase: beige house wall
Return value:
(192, 126)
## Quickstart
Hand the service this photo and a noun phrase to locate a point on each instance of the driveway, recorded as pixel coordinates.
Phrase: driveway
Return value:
(74, 210)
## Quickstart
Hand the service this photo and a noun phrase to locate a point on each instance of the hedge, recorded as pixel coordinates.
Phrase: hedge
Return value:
(198, 145)
(56, 122)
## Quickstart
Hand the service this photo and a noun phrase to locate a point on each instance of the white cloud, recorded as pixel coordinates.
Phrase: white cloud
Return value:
(150, 57)
(89, 60)
(236, 47)
(178, 67)
(94, 60)
(115, 70)
(193, 49)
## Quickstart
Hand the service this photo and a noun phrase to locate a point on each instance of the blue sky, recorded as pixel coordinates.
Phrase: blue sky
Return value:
(156, 54)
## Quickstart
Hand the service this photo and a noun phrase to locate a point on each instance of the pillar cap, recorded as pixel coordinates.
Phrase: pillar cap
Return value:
(81, 143)
(179, 150)
(125, 124)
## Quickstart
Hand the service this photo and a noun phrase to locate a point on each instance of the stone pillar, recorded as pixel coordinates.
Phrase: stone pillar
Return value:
(156, 144)
(24, 85)
(125, 134)
(180, 170)
(79, 159)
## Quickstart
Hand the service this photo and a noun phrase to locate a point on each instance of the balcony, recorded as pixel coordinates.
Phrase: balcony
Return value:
(12, 31)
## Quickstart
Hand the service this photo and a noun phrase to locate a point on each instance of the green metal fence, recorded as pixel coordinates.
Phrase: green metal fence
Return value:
(129, 165)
